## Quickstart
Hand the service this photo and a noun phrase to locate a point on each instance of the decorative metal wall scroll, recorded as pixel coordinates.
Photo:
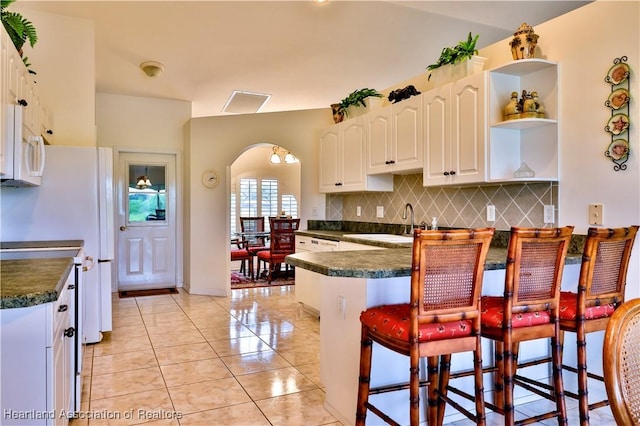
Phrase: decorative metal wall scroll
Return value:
(619, 124)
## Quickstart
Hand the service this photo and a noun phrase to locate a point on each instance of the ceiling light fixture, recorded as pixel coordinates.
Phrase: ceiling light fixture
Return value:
(279, 154)
(152, 68)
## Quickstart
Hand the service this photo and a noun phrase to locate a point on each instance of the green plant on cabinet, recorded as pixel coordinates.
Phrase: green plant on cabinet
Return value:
(356, 99)
(19, 29)
(465, 49)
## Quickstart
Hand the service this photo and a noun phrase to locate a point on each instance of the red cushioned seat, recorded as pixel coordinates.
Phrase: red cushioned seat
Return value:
(492, 315)
(569, 308)
(393, 320)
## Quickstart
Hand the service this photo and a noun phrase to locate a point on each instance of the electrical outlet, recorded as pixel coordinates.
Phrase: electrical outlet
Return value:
(596, 214)
(358, 211)
(342, 306)
(380, 211)
(549, 213)
(491, 213)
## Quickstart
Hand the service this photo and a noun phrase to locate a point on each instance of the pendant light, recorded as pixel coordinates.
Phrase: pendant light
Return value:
(279, 154)
(143, 182)
(275, 158)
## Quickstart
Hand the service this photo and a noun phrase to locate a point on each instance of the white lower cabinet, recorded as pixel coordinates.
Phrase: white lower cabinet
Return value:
(307, 283)
(37, 349)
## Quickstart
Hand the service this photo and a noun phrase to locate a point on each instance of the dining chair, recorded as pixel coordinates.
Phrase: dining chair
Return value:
(254, 243)
(601, 290)
(281, 245)
(622, 363)
(528, 310)
(241, 253)
(442, 317)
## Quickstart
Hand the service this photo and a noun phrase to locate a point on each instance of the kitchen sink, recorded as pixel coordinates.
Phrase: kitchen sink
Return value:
(386, 238)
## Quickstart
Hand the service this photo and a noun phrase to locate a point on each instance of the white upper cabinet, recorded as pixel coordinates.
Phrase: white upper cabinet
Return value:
(455, 132)
(342, 160)
(19, 88)
(394, 138)
(533, 141)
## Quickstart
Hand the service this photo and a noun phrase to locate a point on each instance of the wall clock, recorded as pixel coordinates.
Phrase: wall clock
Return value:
(210, 178)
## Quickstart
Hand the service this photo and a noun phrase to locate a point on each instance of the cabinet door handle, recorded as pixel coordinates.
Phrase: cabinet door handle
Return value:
(392, 162)
(63, 308)
(446, 173)
(69, 332)
(22, 102)
(338, 183)
(71, 287)
(49, 132)
(452, 172)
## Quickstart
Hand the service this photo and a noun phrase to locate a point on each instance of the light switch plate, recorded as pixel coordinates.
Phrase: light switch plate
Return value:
(358, 211)
(596, 214)
(380, 211)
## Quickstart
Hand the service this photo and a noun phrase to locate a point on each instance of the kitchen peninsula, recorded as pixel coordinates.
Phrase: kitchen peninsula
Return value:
(40, 331)
(348, 282)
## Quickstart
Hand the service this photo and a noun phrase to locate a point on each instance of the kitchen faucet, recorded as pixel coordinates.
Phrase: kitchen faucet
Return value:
(409, 207)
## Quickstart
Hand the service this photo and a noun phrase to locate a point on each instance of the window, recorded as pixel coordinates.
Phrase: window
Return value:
(290, 204)
(248, 197)
(268, 203)
(146, 203)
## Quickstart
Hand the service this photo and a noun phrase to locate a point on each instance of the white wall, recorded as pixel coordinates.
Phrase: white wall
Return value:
(152, 124)
(64, 60)
(585, 54)
(215, 143)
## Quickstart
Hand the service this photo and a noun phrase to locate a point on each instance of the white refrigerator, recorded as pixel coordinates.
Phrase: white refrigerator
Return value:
(74, 202)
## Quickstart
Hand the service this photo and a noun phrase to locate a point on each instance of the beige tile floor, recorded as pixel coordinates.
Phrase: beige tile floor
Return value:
(248, 359)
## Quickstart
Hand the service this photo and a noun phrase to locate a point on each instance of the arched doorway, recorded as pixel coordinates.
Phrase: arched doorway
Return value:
(262, 187)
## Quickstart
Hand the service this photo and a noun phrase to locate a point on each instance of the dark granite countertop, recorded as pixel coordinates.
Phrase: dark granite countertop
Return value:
(387, 263)
(34, 280)
(29, 282)
(49, 244)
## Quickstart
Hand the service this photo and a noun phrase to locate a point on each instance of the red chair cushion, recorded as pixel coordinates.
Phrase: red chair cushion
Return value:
(239, 254)
(393, 321)
(569, 308)
(254, 250)
(267, 257)
(493, 313)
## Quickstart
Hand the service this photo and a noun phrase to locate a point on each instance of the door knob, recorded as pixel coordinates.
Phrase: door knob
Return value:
(122, 228)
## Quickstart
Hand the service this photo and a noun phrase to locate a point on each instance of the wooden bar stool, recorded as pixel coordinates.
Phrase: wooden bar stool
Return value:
(622, 363)
(442, 317)
(601, 288)
(529, 309)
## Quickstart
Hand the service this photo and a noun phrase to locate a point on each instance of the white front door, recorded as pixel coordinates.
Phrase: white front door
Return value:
(146, 221)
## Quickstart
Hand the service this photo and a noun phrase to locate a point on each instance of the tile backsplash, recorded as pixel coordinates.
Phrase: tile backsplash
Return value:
(465, 207)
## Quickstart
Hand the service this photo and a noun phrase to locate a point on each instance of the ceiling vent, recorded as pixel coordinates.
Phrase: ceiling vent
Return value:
(245, 102)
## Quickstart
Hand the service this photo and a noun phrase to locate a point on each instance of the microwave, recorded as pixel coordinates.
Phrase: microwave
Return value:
(23, 158)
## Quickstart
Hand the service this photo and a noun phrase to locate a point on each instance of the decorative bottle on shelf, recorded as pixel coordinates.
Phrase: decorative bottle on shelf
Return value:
(512, 110)
(540, 112)
(529, 109)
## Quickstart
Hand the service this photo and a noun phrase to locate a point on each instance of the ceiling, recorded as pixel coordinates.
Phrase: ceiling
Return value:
(305, 55)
